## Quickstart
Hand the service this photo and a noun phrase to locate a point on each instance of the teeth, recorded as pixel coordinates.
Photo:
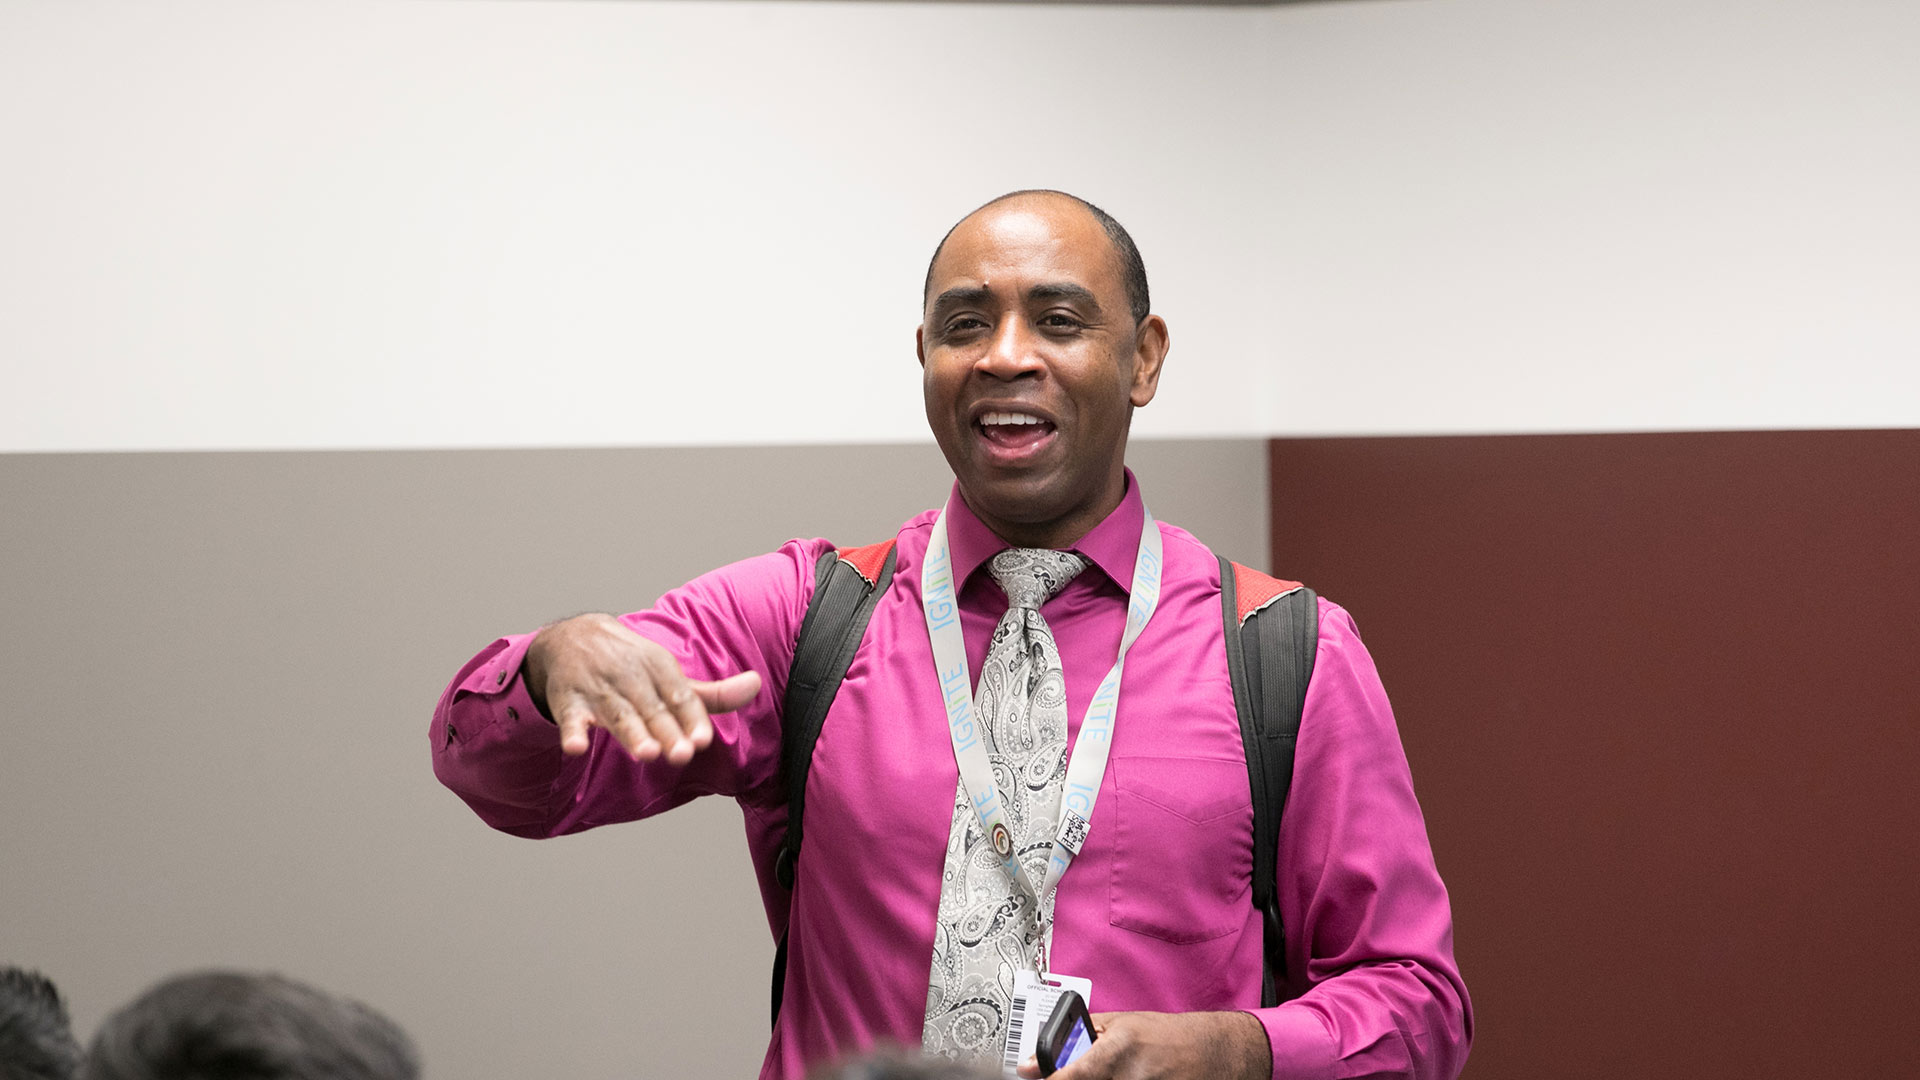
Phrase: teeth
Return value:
(1009, 418)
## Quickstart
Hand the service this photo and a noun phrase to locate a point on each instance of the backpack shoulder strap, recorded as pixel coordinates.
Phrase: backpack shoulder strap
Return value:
(847, 584)
(1272, 630)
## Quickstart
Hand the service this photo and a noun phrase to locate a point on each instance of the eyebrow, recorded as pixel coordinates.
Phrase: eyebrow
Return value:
(1078, 294)
(959, 297)
(1057, 290)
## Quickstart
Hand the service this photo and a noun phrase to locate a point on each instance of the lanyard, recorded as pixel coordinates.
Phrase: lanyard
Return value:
(1088, 763)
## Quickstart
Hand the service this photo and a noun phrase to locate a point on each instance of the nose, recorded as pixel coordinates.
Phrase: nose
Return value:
(1011, 352)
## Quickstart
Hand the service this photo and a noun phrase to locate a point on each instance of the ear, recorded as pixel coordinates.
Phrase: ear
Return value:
(1149, 352)
(920, 344)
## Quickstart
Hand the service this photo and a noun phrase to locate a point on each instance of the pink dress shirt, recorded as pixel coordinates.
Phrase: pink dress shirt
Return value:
(1155, 910)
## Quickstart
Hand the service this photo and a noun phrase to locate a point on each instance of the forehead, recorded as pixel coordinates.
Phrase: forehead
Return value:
(1023, 242)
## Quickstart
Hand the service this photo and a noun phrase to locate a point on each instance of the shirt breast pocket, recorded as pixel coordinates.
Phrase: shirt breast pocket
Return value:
(1183, 848)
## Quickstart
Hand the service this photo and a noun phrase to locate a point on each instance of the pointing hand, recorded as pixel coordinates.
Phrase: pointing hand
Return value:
(592, 671)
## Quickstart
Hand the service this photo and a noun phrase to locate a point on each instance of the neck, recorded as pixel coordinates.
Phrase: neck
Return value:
(1057, 533)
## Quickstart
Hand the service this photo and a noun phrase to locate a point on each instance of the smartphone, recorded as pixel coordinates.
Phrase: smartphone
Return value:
(1066, 1035)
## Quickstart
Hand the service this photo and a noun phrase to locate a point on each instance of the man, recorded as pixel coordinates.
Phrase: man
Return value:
(36, 1039)
(926, 897)
(262, 1027)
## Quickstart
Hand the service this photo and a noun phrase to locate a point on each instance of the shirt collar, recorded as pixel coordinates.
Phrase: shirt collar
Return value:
(1112, 545)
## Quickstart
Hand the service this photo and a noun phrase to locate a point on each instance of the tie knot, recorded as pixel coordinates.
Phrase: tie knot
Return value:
(1030, 576)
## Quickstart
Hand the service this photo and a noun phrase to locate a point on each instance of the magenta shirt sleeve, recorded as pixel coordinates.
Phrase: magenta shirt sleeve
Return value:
(1370, 931)
(495, 750)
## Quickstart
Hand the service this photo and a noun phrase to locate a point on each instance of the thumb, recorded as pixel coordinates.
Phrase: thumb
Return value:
(728, 694)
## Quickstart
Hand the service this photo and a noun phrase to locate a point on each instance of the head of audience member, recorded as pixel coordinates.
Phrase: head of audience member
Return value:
(1036, 344)
(222, 1025)
(36, 1039)
(903, 1064)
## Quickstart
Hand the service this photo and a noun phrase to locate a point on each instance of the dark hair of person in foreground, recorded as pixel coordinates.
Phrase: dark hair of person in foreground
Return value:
(36, 1039)
(903, 1064)
(220, 1025)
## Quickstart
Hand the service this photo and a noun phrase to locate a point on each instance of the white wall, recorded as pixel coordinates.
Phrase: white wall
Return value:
(237, 223)
(1603, 215)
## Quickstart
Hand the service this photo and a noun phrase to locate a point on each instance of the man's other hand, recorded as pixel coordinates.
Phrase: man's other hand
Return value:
(1170, 1046)
(591, 671)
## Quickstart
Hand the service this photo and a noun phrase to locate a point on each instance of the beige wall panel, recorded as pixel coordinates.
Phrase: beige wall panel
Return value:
(219, 672)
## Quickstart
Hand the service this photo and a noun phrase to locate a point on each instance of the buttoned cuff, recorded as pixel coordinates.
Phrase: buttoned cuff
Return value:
(1302, 1046)
(502, 694)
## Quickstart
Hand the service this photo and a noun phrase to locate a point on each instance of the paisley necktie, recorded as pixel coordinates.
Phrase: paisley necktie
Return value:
(988, 927)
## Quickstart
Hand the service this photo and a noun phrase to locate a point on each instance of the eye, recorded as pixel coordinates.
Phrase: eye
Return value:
(962, 325)
(1060, 322)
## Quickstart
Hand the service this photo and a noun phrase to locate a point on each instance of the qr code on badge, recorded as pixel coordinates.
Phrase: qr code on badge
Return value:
(1073, 832)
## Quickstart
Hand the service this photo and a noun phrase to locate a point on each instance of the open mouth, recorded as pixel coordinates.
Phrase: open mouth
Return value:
(1013, 431)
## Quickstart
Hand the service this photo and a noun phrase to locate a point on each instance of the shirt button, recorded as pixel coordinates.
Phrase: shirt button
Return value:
(500, 676)
(513, 713)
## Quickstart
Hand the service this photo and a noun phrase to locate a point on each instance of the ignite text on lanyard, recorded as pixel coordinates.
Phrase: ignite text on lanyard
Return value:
(1088, 763)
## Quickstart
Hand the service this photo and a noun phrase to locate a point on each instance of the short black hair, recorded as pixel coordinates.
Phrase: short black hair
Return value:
(224, 1025)
(36, 1038)
(903, 1064)
(1133, 269)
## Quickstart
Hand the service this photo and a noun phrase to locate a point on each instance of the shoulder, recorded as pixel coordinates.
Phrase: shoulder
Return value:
(1340, 650)
(1192, 564)
(1344, 680)
(793, 570)
(761, 591)
(913, 535)
(1345, 697)
(1188, 561)
(908, 546)
(794, 564)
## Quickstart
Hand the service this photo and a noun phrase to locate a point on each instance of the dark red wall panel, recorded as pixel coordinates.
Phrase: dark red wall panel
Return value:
(1661, 693)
